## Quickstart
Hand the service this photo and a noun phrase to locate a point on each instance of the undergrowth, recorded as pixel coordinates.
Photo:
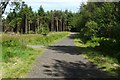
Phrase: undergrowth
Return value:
(103, 52)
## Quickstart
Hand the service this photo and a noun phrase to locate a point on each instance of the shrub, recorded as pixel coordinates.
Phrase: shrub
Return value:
(31, 32)
(91, 28)
(44, 29)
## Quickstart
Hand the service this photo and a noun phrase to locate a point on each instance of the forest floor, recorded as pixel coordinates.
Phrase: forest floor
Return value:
(63, 60)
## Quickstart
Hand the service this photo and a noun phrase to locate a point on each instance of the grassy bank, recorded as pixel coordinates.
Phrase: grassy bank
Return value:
(101, 58)
(17, 67)
(52, 38)
(17, 58)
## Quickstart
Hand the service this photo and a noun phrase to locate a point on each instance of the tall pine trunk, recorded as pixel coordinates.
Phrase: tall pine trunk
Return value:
(56, 24)
(60, 25)
(26, 24)
(52, 23)
(29, 28)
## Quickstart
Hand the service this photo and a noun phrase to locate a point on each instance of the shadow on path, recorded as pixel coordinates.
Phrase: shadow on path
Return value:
(72, 50)
(73, 70)
(63, 60)
(77, 68)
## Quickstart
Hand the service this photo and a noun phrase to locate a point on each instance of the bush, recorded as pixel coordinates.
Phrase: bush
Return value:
(10, 43)
(31, 32)
(44, 29)
(91, 28)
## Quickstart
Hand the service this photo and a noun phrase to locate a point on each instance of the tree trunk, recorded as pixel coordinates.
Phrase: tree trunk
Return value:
(57, 24)
(63, 25)
(16, 26)
(29, 28)
(3, 26)
(60, 25)
(38, 24)
(52, 23)
(26, 25)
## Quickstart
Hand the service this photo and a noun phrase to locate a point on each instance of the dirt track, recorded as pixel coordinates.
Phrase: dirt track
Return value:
(63, 60)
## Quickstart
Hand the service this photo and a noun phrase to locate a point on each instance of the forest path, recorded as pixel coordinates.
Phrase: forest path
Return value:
(63, 60)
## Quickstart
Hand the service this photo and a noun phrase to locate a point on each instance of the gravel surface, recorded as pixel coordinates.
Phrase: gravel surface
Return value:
(35, 46)
(63, 60)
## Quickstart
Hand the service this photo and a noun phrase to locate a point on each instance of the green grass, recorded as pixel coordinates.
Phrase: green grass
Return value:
(107, 63)
(48, 40)
(17, 58)
(37, 39)
(18, 67)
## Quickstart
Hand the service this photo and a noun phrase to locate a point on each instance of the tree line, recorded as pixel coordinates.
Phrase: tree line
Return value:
(22, 19)
(99, 25)
(94, 19)
(99, 19)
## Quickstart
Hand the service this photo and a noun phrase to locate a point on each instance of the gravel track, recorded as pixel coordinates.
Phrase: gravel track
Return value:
(63, 60)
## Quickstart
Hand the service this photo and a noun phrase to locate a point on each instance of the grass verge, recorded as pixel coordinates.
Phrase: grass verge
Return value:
(52, 38)
(17, 58)
(106, 63)
(17, 67)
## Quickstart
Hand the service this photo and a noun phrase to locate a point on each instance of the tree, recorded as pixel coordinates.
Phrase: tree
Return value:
(41, 11)
(3, 6)
(44, 29)
(91, 28)
(98, 19)
(22, 19)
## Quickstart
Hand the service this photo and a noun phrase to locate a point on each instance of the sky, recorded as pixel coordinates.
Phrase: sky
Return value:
(48, 5)
(71, 5)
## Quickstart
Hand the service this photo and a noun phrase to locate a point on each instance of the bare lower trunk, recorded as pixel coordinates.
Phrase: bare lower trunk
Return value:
(60, 25)
(57, 24)
(26, 25)
(37, 25)
(52, 23)
(29, 28)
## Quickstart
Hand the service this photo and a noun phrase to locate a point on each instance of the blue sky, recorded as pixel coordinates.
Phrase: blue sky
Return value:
(72, 5)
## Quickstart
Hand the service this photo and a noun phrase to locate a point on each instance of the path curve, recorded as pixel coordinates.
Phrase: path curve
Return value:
(63, 60)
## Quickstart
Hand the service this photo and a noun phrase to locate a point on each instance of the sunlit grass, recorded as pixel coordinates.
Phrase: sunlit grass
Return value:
(36, 39)
(18, 67)
(17, 58)
(107, 63)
